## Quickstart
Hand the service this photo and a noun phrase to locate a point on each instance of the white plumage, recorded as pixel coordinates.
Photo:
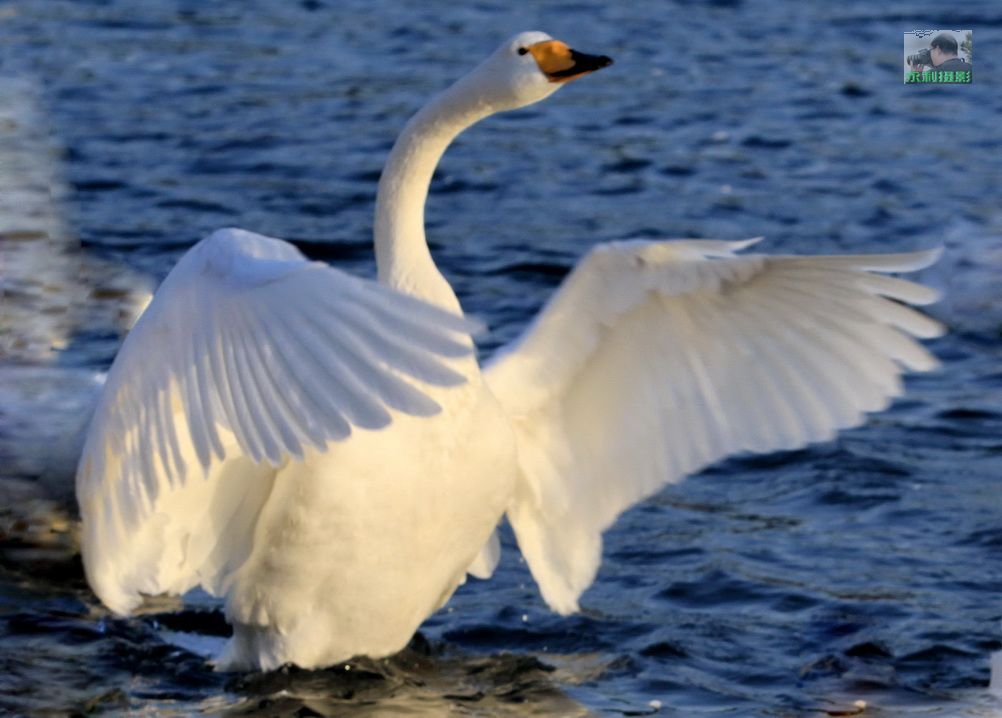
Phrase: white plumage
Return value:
(324, 452)
(655, 359)
(225, 366)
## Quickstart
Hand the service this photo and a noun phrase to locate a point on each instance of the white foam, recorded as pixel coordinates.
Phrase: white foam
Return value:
(995, 683)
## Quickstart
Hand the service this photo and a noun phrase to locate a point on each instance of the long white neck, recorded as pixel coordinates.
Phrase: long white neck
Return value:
(402, 255)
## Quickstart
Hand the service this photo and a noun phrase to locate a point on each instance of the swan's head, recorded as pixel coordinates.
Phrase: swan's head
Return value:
(531, 66)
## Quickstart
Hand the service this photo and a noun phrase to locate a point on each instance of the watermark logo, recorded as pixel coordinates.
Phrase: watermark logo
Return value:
(939, 57)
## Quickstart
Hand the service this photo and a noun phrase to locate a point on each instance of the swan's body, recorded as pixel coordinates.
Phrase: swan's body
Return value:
(325, 452)
(369, 538)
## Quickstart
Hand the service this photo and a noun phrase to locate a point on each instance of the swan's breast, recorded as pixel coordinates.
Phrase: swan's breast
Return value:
(360, 543)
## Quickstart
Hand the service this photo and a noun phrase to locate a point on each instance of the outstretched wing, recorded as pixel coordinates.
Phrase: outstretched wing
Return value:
(655, 359)
(249, 354)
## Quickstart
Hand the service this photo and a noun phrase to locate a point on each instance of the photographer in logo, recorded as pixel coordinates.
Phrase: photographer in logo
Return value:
(941, 57)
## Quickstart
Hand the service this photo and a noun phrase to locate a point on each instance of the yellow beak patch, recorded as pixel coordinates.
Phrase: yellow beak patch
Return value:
(552, 56)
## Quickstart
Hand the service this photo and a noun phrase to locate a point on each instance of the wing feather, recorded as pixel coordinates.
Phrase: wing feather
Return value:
(427, 328)
(234, 391)
(370, 359)
(317, 427)
(247, 354)
(402, 354)
(197, 402)
(654, 359)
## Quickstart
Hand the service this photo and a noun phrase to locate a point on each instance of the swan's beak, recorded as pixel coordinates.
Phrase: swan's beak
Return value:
(561, 64)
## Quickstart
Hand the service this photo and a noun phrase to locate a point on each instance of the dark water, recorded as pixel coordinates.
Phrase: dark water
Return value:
(867, 569)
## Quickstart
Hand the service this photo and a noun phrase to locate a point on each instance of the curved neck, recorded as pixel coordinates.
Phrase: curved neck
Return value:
(402, 256)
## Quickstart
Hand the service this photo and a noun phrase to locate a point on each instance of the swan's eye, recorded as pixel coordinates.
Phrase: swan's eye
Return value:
(522, 50)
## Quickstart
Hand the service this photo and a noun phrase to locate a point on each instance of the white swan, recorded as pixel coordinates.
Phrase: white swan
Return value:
(324, 451)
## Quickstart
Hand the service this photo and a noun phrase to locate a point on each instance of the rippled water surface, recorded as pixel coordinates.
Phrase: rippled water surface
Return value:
(867, 569)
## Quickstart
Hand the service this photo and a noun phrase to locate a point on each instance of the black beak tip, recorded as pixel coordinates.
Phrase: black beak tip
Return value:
(583, 63)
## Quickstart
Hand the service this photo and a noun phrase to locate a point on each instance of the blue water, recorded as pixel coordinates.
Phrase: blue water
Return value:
(866, 569)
